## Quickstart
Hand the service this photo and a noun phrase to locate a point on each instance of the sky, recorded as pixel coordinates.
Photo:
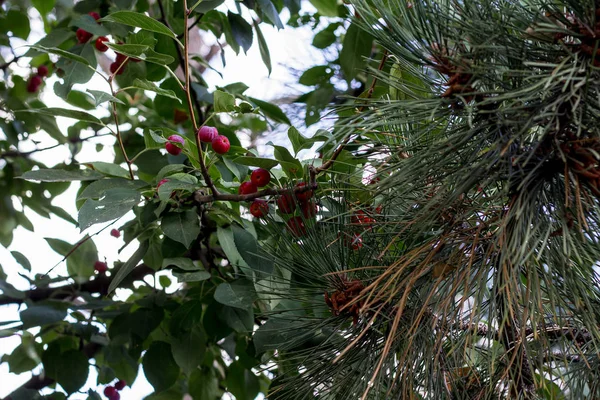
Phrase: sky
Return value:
(288, 48)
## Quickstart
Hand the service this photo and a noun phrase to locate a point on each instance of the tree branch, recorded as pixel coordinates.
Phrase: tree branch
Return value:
(99, 285)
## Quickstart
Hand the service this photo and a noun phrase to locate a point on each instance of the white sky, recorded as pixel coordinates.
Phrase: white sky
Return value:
(287, 48)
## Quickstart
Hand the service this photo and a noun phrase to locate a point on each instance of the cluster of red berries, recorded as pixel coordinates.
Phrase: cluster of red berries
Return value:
(100, 267)
(288, 202)
(36, 80)
(112, 392)
(84, 36)
(260, 177)
(206, 134)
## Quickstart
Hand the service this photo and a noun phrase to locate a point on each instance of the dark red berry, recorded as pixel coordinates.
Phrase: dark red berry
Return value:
(309, 209)
(120, 385)
(100, 266)
(110, 391)
(247, 188)
(179, 116)
(100, 46)
(305, 195)
(115, 233)
(114, 68)
(115, 396)
(356, 242)
(206, 134)
(259, 208)
(34, 83)
(296, 226)
(286, 203)
(83, 36)
(94, 15)
(171, 147)
(261, 177)
(220, 144)
(42, 71)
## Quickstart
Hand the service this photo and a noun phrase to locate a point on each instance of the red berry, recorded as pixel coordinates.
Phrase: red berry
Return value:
(162, 182)
(100, 46)
(296, 226)
(356, 242)
(100, 266)
(171, 148)
(34, 83)
(121, 58)
(309, 209)
(110, 391)
(206, 134)
(260, 177)
(259, 208)
(120, 385)
(115, 396)
(247, 188)
(220, 144)
(286, 203)
(114, 68)
(115, 233)
(42, 71)
(94, 15)
(303, 196)
(83, 36)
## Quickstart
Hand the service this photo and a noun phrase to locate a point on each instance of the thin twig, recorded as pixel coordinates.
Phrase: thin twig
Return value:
(116, 118)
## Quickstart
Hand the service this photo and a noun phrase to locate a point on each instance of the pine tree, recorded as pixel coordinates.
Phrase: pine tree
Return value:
(469, 270)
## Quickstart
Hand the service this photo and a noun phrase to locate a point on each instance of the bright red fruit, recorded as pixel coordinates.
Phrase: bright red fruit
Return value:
(171, 148)
(296, 226)
(100, 266)
(220, 144)
(115, 233)
(247, 188)
(309, 209)
(260, 177)
(83, 36)
(259, 208)
(162, 182)
(207, 134)
(286, 203)
(94, 15)
(42, 71)
(100, 46)
(120, 385)
(34, 83)
(303, 196)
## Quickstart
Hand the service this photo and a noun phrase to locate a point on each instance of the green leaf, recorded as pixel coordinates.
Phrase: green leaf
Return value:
(262, 45)
(241, 30)
(109, 169)
(74, 71)
(197, 276)
(252, 254)
(43, 314)
(17, 22)
(80, 262)
(291, 166)
(24, 358)
(21, 259)
(239, 294)
(63, 112)
(239, 320)
(160, 368)
(89, 24)
(114, 204)
(265, 163)
(270, 12)
(101, 97)
(204, 384)
(139, 20)
(182, 227)
(356, 47)
(300, 142)
(98, 188)
(70, 369)
(147, 85)
(180, 262)
(43, 6)
(223, 102)
(271, 110)
(241, 382)
(188, 350)
(327, 8)
(316, 75)
(186, 317)
(142, 52)
(326, 37)
(128, 266)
